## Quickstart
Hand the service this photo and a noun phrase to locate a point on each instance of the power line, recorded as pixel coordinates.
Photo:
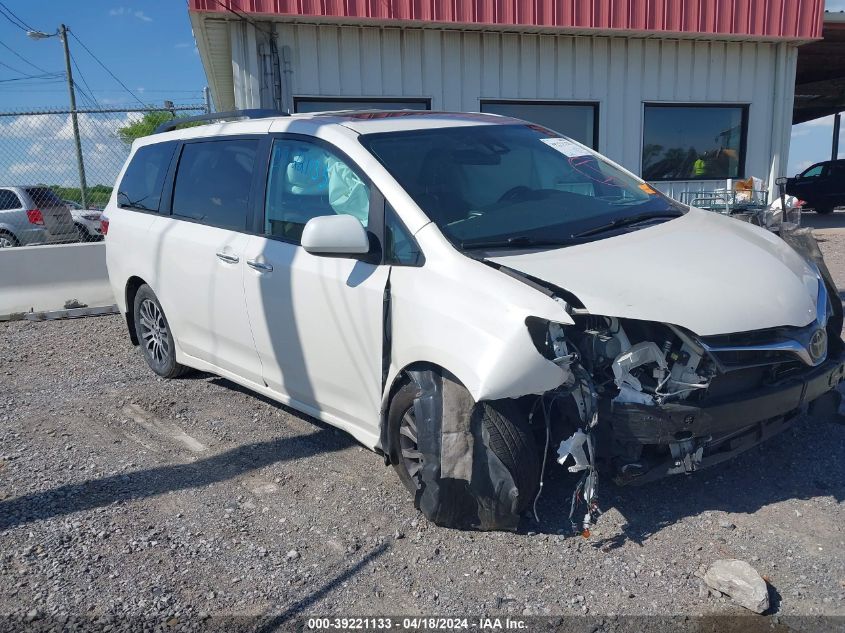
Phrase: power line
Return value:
(113, 76)
(12, 13)
(82, 77)
(31, 77)
(20, 72)
(21, 57)
(13, 20)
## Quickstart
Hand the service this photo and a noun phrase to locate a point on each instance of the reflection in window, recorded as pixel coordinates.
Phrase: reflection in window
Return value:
(213, 182)
(693, 142)
(144, 178)
(813, 172)
(307, 181)
(575, 120)
(400, 247)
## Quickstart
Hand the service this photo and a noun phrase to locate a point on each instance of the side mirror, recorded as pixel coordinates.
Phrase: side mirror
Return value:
(335, 235)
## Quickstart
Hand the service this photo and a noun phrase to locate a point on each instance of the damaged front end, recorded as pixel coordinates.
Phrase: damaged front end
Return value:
(667, 401)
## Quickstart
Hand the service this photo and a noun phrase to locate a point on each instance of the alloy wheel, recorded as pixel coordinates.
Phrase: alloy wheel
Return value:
(154, 332)
(411, 455)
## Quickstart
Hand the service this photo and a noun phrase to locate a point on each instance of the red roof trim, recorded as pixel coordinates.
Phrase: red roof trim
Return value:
(791, 19)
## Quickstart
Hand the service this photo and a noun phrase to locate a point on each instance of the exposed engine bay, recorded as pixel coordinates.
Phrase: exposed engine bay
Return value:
(643, 400)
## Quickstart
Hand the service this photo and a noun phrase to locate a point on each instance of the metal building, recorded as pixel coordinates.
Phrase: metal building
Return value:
(685, 93)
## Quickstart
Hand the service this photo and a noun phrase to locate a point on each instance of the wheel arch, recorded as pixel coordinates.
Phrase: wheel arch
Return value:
(400, 379)
(132, 286)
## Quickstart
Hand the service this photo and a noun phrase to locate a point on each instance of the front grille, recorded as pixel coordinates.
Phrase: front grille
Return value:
(762, 348)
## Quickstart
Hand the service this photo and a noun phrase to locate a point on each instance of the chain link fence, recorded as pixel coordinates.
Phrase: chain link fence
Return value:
(57, 169)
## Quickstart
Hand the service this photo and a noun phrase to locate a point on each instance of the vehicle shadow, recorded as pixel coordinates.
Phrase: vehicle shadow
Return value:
(273, 623)
(97, 493)
(801, 463)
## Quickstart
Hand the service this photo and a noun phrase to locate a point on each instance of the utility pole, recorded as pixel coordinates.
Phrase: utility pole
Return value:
(834, 150)
(207, 94)
(80, 164)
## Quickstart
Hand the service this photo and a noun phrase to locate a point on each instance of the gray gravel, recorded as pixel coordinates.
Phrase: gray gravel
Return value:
(125, 495)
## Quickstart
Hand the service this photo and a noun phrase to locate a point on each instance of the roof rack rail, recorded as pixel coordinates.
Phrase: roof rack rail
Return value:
(218, 116)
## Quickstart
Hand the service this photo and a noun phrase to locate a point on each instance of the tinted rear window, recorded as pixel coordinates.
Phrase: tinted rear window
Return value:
(44, 197)
(144, 178)
(9, 200)
(213, 182)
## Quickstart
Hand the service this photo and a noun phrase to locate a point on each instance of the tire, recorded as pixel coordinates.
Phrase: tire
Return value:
(824, 210)
(154, 335)
(510, 439)
(7, 240)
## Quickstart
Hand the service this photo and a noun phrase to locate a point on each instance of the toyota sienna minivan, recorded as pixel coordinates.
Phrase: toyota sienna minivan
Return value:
(472, 296)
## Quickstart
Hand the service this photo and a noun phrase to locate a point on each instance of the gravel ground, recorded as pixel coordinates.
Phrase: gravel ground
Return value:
(125, 495)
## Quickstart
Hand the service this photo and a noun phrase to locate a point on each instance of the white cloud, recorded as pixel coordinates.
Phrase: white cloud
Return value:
(40, 149)
(183, 45)
(123, 11)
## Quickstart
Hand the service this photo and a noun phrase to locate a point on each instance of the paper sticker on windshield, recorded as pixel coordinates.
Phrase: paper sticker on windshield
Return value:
(565, 147)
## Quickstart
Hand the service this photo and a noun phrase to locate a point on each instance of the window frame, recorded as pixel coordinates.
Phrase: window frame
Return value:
(16, 196)
(166, 205)
(426, 101)
(421, 260)
(743, 143)
(825, 168)
(375, 216)
(596, 105)
(164, 184)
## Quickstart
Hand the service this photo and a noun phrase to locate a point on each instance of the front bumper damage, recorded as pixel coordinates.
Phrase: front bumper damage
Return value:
(686, 438)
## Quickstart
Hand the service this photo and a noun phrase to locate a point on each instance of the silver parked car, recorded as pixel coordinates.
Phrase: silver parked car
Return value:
(34, 215)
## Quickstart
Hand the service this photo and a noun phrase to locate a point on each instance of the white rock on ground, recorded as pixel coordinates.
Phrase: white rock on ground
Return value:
(741, 582)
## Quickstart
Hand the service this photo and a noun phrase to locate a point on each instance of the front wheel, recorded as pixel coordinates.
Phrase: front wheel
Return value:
(824, 209)
(508, 433)
(154, 335)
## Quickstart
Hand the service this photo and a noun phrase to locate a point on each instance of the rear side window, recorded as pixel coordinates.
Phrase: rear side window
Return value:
(9, 200)
(213, 182)
(44, 197)
(144, 178)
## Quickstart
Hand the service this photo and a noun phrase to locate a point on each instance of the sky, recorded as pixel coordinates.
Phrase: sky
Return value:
(149, 46)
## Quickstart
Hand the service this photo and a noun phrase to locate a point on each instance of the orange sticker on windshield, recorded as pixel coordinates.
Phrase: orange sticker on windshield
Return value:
(647, 189)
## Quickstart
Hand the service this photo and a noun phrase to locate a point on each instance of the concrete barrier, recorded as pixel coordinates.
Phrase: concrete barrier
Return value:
(48, 278)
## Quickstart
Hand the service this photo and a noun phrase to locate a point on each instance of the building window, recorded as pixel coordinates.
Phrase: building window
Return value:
(321, 104)
(575, 120)
(694, 142)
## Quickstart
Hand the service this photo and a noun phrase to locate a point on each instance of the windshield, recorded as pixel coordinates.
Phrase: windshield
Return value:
(514, 184)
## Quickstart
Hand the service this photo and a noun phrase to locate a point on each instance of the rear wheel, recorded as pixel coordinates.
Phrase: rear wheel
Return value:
(154, 335)
(7, 240)
(510, 440)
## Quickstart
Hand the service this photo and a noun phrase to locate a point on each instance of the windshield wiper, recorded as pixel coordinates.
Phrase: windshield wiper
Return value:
(518, 241)
(628, 221)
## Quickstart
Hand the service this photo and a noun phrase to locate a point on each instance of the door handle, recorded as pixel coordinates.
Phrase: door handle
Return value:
(229, 259)
(259, 266)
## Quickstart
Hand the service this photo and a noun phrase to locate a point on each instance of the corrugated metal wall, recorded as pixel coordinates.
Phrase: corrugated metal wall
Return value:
(761, 18)
(456, 69)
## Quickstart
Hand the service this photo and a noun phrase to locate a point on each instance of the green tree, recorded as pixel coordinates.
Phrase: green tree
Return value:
(145, 126)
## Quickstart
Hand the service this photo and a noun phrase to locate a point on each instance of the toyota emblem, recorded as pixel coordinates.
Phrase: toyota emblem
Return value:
(818, 345)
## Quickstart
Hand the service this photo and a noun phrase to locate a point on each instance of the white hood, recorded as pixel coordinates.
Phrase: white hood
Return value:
(705, 272)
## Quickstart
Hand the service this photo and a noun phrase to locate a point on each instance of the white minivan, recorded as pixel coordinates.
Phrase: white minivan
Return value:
(470, 295)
